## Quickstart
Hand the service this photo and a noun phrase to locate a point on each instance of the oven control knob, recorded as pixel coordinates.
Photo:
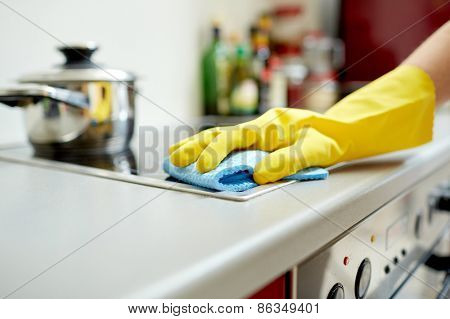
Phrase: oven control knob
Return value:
(362, 281)
(443, 202)
(439, 200)
(337, 292)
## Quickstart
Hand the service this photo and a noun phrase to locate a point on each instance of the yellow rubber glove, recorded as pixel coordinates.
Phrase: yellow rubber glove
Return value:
(392, 113)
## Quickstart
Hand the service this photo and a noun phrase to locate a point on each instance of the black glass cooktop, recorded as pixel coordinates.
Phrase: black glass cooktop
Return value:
(131, 165)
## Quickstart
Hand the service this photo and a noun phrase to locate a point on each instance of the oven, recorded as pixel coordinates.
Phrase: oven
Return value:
(399, 251)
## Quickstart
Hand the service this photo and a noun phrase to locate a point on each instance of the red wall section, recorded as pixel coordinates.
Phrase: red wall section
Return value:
(367, 24)
(275, 290)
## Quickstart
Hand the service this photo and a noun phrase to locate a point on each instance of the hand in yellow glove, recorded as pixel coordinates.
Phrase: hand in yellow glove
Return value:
(392, 113)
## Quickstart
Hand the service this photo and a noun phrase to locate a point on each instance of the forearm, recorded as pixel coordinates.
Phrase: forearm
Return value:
(433, 56)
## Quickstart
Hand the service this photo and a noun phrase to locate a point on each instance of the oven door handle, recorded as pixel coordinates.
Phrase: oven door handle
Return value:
(439, 263)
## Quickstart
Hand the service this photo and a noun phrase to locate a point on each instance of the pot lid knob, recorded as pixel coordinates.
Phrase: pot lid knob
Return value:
(78, 54)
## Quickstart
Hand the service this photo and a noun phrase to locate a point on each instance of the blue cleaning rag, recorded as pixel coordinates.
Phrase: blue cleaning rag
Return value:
(234, 173)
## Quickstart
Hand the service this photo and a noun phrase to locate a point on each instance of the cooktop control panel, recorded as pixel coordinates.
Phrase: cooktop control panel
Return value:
(382, 253)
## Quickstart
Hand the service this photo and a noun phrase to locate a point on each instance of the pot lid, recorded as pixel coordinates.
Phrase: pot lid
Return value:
(78, 68)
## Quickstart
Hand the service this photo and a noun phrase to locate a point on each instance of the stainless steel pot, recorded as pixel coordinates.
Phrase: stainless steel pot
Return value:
(76, 108)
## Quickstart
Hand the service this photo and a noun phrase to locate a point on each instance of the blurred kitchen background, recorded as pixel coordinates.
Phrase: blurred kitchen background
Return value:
(224, 57)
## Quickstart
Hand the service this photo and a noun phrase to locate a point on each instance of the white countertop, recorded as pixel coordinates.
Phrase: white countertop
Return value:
(64, 235)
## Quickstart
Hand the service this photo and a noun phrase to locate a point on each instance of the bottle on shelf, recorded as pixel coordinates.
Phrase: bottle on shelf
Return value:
(260, 43)
(277, 83)
(216, 75)
(261, 50)
(323, 56)
(296, 72)
(244, 88)
(264, 90)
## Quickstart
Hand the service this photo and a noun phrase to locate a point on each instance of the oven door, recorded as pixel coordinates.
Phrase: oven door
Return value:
(431, 279)
(417, 289)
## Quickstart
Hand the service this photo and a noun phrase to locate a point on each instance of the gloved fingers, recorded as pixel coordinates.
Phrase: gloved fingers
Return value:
(278, 164)
(318, 149)
(227, 141)
(269, 138)
(190, 149)
(200, 136)
(177, 145)
(280, 132)
(312, 148)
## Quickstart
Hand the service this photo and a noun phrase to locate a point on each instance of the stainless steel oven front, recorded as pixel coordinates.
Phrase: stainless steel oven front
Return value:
(399, 251)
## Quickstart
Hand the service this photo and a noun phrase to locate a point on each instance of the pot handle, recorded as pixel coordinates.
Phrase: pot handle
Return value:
(26, 94)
